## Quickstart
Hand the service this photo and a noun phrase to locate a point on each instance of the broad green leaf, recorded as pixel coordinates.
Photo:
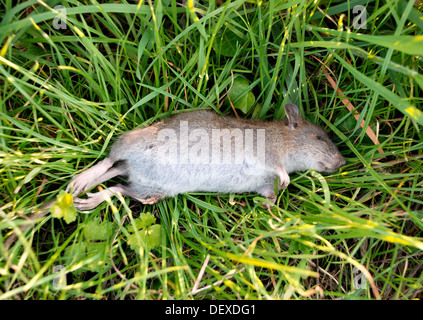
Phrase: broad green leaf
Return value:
(75, 253)
(201, 58)
(90, 255)
(143, 221)
(204, 204)
(412, 45)
(226, 43)
(148, 237)
(102, 261)
(97, 230)
(239, 95)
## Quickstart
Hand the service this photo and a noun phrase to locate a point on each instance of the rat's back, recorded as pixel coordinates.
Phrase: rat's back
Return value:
(194, 151)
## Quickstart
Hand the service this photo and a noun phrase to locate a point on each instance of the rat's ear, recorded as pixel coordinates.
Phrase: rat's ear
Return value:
(292, 115)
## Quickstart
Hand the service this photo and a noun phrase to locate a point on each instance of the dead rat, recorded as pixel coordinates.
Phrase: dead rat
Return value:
(200, 151)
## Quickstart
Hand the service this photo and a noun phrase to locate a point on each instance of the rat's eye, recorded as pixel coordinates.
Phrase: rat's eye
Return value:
(320, 138)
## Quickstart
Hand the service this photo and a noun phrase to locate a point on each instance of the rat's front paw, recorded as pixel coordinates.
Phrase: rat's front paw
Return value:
(283, 178)
(283, 183)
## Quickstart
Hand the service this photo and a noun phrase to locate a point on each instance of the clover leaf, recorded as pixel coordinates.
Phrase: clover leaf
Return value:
(144, 220)
(146, 233)
(149, 237)
(97, 230)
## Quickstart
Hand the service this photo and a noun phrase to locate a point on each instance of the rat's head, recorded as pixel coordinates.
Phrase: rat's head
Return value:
(313, 147)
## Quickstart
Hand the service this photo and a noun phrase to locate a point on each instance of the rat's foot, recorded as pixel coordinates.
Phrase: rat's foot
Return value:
(90, 177)
(283, 178)
(94, 199)
(151, 200)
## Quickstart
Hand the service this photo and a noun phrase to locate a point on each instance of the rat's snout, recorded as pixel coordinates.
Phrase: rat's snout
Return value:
(343, 162)
(340, 161)
(337, 162)
(333, 164)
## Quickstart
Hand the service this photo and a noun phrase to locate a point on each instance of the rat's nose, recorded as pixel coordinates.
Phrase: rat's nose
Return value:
(340, 161)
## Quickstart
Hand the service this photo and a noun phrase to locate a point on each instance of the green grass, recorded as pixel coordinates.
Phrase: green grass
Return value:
(67, 94)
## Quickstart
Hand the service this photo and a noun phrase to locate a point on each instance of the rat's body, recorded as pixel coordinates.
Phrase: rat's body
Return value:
(185, 153)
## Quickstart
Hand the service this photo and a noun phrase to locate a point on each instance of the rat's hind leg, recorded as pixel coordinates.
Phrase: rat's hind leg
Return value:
(94, 199)
(102, 171)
